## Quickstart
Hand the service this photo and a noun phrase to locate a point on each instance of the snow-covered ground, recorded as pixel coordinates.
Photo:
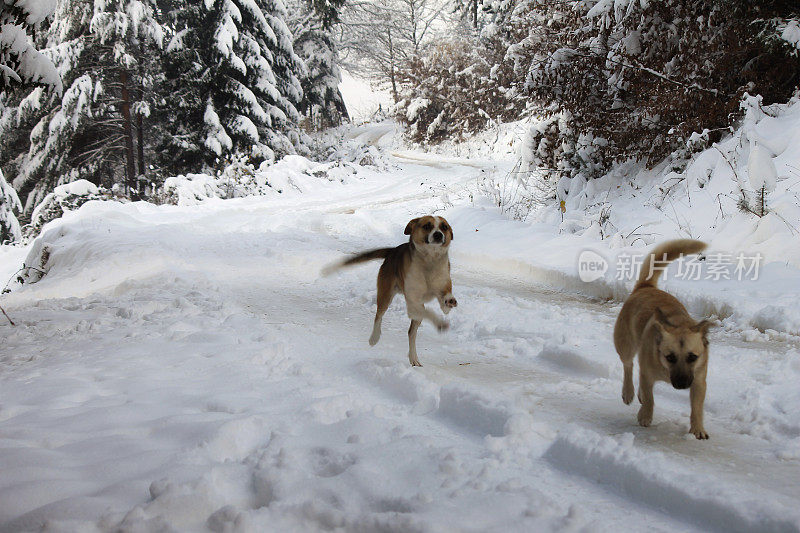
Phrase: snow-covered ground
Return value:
(185, 368)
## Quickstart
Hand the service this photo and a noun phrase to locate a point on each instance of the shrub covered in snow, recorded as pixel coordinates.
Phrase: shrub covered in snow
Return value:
(64, 198)
(643, 77)
(344, 146)
(741, 192)
(292, 174)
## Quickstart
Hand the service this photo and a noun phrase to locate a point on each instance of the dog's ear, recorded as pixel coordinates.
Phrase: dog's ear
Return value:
(703, 327)
(658, 331)
(662, 318)
(410, 226)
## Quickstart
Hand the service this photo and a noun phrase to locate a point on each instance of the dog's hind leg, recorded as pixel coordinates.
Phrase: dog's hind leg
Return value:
(412, 343)
(385, 295)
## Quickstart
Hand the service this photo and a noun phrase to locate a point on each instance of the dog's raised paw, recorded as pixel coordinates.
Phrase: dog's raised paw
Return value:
(451, 302)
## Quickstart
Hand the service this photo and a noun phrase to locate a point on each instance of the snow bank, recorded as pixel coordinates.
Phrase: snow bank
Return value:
(291, 175)
(740, 195)
(537, 253)
(76, 188)
(711, 199)
(191, 189)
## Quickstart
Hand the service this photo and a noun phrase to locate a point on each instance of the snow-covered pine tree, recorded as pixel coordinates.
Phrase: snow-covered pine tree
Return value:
(126, 30)
(231, 85)
(20, 61)
(83, 133)
(322, 102)
(9, 202)
(327, 11)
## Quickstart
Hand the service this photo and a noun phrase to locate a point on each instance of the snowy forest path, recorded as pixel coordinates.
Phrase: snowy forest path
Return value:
(576, 383)
(188, 368)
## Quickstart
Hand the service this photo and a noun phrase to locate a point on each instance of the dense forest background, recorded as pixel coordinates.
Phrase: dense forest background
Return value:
(125, 93)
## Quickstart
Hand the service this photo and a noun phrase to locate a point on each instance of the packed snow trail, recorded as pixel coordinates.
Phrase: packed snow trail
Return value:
(187, 369)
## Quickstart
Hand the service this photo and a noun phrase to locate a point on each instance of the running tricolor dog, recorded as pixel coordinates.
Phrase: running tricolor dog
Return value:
(420, 269)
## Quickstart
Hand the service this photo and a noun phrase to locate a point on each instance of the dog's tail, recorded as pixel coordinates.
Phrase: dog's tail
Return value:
(363, 257)
(665, 252)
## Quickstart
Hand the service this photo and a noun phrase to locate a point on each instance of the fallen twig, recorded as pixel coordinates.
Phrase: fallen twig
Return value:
(8, 317)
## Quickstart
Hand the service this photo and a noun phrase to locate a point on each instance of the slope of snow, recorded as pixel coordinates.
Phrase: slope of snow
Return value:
(633, 208)
(185, 368)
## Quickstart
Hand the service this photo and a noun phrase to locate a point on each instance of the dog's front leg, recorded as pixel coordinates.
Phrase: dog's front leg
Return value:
(412, 343)
(447, 301)
(646, 399)
(417, 311)
(627, 383)
(697, 396)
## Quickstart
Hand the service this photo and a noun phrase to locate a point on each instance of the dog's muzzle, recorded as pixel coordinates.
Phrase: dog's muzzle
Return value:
(681, 382)
(438, 236)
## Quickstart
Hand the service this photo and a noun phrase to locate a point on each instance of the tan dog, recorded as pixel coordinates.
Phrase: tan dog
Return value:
(671, 345)
(420, 269)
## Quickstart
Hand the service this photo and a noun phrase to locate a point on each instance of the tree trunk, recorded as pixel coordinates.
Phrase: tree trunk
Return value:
(140, 143)
(339, 103)
(475, 14)
(395, 96)
(140, 121)
(130, 168)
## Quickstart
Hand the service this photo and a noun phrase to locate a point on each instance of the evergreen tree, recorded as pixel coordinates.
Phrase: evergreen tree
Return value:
(322, 101)
(231, 84)
(86, 132)
(9, 202)
(126, 31)
(327, 11)
(20, 61)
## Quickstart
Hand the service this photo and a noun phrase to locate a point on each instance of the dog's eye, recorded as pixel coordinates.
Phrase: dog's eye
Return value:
(443, 227)
(671, 359)
(691, 358)
(428, 226)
